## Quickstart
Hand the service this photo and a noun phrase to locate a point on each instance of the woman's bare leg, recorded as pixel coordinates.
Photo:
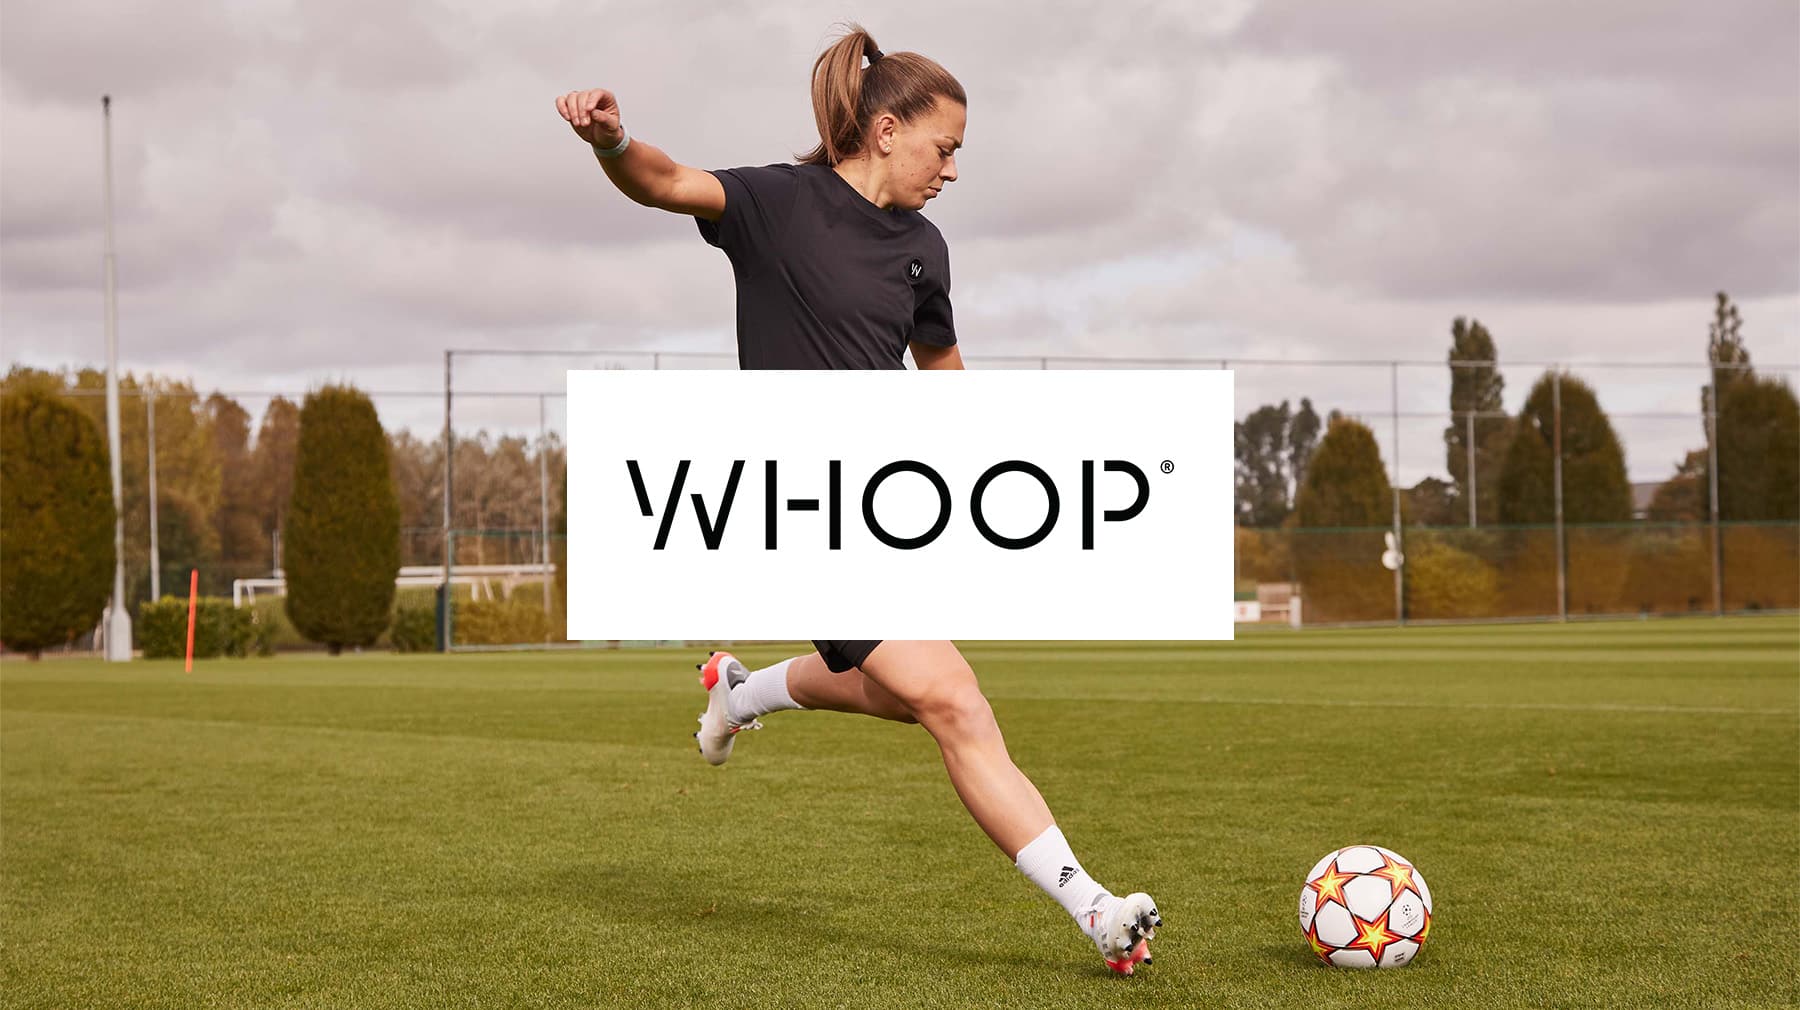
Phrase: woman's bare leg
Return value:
(936, 685)
(812, 685)
(931, 683)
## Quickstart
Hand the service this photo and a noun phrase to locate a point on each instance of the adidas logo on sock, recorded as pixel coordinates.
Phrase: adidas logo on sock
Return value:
(1062, 879)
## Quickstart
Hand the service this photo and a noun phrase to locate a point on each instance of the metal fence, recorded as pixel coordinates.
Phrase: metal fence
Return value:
(1471, 572)
(1530, 572)
(1474, 571)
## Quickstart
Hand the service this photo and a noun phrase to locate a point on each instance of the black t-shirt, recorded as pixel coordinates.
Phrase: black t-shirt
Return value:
(826, 279)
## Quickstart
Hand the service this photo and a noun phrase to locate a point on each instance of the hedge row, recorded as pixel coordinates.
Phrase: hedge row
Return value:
(1474, 574)
(219, 629)
(518, 620)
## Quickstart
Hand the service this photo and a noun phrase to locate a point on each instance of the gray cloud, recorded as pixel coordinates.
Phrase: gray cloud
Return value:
(341, 190)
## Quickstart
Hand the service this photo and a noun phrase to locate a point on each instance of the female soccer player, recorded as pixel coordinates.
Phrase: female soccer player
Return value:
(836, 268)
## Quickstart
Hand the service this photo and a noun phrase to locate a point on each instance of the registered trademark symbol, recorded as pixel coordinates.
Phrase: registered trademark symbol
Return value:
(1168, 466)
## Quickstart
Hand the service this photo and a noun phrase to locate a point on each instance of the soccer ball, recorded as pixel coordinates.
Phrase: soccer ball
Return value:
(1365, 907)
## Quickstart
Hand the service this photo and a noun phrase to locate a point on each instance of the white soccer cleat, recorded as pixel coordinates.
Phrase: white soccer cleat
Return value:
(1122, 929)
(719, 674)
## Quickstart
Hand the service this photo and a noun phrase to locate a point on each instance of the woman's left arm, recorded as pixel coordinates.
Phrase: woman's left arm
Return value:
(928, 356)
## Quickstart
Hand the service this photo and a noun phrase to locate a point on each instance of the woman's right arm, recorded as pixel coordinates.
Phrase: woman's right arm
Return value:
(643, 173)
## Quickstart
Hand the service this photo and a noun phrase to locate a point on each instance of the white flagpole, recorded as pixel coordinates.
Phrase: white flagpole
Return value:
(118, 624)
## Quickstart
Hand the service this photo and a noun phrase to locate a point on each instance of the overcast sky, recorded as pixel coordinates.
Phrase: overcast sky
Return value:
(340, 190)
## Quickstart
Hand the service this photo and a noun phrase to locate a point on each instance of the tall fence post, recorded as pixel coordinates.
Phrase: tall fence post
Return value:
(1562, 561)
(150, 440)
(1399, 547)
(1712, 493)
(1470, 439)
(544, 509)
(449, 622)
(449, 493)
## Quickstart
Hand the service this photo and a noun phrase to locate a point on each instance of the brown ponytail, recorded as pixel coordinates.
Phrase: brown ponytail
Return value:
(847, 96)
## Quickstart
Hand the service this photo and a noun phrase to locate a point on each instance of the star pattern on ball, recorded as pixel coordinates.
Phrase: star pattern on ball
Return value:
(1397, 874)
(1330, 885)
(1319, 946)
(1373, 937)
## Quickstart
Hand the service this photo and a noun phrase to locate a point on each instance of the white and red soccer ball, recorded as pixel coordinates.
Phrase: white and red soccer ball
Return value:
(1365, 907)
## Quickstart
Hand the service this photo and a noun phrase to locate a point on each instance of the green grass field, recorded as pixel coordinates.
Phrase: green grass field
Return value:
(1608, 816)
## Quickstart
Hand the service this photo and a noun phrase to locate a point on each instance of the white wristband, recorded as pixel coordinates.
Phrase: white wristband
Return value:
(617, 149)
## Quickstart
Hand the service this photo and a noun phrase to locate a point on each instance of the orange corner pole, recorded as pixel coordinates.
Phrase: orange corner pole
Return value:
(193, 601)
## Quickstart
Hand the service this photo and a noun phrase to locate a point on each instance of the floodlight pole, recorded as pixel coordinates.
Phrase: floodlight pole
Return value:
(150, 438)
(1712, 492)
(1562, 561)
(118, 622)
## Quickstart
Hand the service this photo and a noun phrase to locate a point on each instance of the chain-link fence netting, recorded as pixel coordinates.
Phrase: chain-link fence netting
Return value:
(1522, 572)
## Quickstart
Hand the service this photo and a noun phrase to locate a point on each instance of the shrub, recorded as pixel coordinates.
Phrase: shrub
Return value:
(1670, 570)
(272, 619)
(1762, 566)
(1527, 561)
(414, 629)
(1445, 582)
(219, 629)
(518, 620)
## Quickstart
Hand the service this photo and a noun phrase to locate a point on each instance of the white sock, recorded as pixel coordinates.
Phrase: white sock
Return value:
(1051, 865)
(762, 692)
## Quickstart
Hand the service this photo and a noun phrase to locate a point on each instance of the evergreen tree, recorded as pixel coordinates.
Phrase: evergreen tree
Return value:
(56, 522)
(1595, 488)
(1339, 569)
(1756, 435)
(1346, 483)
(1475, 388)
(1527, 488)
(342, 546)
(1759, 450)
(187, 470)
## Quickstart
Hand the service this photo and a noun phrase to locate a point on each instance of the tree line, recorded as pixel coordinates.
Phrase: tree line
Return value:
(225, 487)
(1287, 474)
(323, 491)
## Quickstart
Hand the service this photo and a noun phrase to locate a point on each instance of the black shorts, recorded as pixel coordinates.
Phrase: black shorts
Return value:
(842, 654)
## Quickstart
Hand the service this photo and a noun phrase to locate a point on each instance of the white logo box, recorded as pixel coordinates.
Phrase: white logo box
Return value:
(1165, 572)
